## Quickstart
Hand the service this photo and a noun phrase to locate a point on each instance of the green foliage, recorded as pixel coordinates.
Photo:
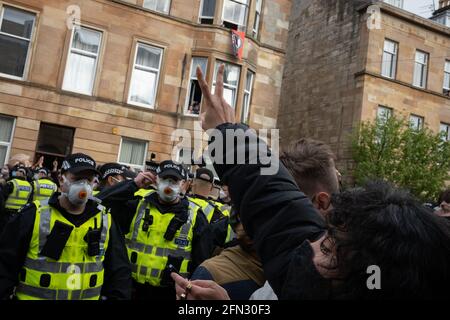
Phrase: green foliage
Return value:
(418, 160)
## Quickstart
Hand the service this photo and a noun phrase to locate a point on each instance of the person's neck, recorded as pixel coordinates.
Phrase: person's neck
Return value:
(69, 207)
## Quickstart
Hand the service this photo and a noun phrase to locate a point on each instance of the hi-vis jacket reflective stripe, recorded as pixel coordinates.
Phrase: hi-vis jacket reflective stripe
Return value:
(206, 206)
(149, 251)
(20, 195)
(43, 189)
(76, 275)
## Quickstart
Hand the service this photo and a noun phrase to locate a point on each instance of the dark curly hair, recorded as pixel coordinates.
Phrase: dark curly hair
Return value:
(384, 226)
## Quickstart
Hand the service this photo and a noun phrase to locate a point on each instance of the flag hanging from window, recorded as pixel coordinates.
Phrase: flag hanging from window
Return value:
(237, 39)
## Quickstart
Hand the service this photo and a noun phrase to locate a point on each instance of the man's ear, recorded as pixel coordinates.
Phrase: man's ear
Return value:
(323, 200)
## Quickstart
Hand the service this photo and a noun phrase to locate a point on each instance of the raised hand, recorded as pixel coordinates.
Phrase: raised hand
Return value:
(215, 109)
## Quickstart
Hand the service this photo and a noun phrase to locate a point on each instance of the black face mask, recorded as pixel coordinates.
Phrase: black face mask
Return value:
(303, 281)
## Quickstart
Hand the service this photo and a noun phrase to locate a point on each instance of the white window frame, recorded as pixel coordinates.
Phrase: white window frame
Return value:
(84, 53)
(424, 80)
(30, 41)
(445, 127)
(200, 16)
(141, 167)
(186, 105)
(389, 114)
(147, 69)
(163, 12)
(227, 86)
(393, 56)
(446, 86)
(414, 124)
(247, 92)
(257, 22)
(8, 145)
(246, 6)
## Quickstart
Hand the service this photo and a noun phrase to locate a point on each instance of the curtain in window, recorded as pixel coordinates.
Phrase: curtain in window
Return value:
(132, 152)
(209, 8)
(143, 87)
(3, 150)
(80, 73)
(86, 40)
(148, 57)
(6, 126)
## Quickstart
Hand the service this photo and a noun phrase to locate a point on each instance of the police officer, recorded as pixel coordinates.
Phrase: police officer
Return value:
(15, 194)
(202, 187)
(164, 232)
(43, 187)
(65, 247)
(111, 174)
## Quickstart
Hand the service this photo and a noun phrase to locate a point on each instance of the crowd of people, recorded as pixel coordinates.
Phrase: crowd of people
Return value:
(105, 232)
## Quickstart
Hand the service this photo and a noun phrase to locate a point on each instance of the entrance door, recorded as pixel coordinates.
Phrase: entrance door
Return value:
(54, 143)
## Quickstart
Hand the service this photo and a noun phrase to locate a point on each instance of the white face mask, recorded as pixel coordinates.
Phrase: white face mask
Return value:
(168, 190)
(79, 192)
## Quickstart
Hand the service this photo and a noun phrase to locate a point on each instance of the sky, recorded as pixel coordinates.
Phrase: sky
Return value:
(421, 7)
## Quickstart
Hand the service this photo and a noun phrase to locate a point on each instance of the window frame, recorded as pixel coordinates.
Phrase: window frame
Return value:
(9, 144)
(249, 93)
(444, 87)
(227, 86)
(188, 93)
(421, 121)
(257, 22)
(147, 69)
(142, 167)
(447, 131)
(201, 16)
(424, 71)
(30, 41)
(246, 6)
(394, 57)
(83, 53)
(389, 115)
(162, 12)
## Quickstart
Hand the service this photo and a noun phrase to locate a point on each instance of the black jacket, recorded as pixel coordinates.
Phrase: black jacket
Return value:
(15, 240)
(273, 211)
(122, 202)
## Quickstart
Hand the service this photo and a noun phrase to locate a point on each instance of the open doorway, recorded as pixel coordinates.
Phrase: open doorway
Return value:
(54, 143)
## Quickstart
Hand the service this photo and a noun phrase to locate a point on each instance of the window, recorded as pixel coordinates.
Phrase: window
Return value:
(82, 61)
(16, 30)
(447, 78)
(445, 130)
(389, 64)
(416, 122)
(6, 134)
(54, 142)
(384, 114)
(230, 82)
(421, 69)
(133, 152)
(208, 10)
(247, 97)
(194, 100)
(158, 5)
(235, 13)
(257, 17)
(397, 3)
(145, 76)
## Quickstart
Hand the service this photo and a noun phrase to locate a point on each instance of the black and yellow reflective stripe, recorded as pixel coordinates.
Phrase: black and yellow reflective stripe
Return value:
(53, 294)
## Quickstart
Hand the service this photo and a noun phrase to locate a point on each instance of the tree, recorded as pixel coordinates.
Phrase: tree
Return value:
(391, 150)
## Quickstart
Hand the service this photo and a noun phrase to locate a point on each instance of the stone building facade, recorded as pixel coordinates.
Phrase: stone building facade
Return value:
(119, 81)
(350, 61)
